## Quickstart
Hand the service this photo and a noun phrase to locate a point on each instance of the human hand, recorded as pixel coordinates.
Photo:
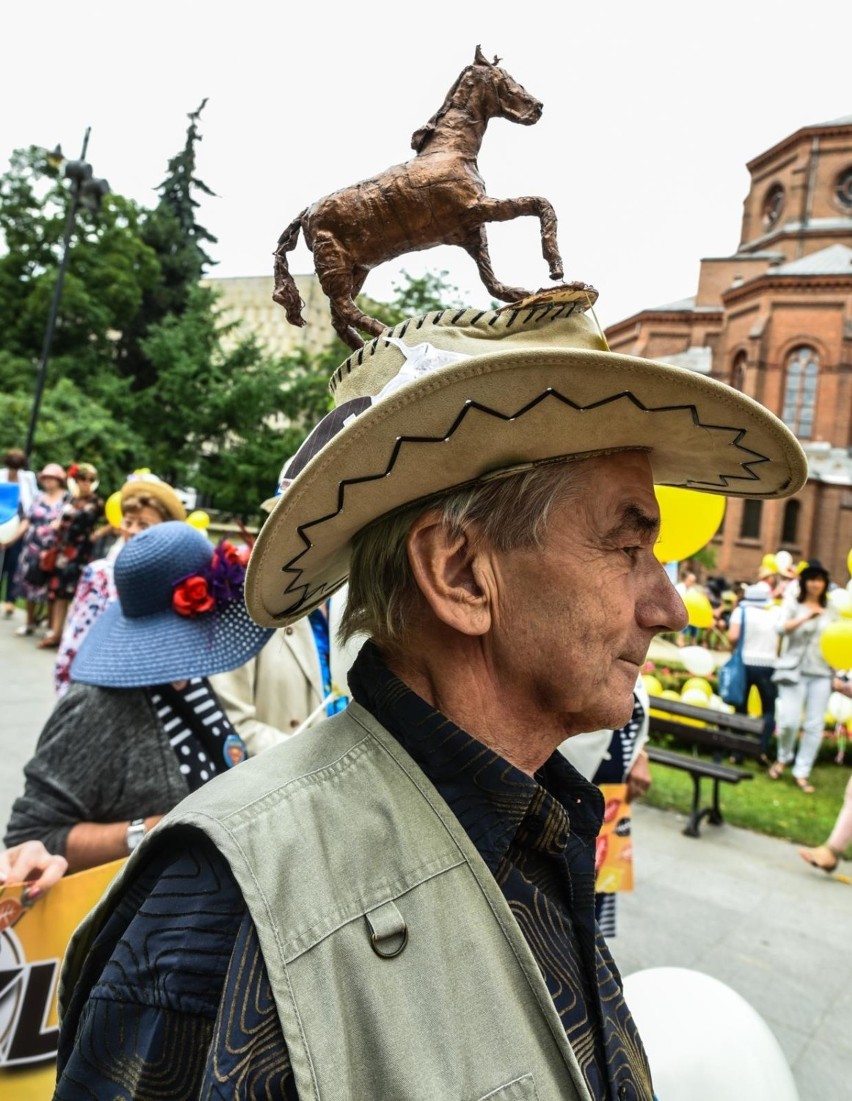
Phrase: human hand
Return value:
(31, 863)
(639, 777)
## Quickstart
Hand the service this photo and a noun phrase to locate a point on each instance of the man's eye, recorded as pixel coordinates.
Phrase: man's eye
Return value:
(632, 552)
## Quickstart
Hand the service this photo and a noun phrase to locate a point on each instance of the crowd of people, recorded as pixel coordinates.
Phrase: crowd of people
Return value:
(450, 610)
(777, 622)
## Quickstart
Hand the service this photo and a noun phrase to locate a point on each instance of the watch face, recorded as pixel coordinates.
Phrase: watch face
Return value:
(773, 204)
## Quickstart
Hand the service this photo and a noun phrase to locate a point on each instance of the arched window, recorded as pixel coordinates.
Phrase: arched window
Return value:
(800, 391)
(750, 522)
(738, 371)
(790, 525)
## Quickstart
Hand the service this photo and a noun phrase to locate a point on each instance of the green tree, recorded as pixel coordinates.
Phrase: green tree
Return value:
(178, 242)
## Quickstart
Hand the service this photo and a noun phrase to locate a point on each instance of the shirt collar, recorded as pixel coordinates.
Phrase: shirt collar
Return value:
(489, 796)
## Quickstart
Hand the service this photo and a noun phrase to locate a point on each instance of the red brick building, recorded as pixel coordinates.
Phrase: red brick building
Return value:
(775, 320)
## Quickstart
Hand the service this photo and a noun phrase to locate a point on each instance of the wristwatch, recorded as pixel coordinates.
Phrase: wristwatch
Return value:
(135, 833)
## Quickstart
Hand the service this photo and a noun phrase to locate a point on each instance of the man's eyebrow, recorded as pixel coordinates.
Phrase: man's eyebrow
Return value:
(634, 519)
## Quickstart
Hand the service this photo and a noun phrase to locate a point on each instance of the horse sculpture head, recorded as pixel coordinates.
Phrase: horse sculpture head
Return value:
(498, 94)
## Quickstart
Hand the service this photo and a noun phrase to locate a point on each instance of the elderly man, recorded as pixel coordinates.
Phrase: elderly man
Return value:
(400, 904)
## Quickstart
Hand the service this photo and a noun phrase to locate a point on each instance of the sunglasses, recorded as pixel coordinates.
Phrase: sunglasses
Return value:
(85, 477)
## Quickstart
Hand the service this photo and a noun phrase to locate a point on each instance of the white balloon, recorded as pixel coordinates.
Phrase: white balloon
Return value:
(697, 660)
(840, 602)
(704, 1041)
(9, 529)
(783, 559)
(840, 707)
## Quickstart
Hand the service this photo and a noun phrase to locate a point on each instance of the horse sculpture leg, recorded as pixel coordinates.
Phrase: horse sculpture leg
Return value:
(286, 293)
(341, 279)
(477, 247)
(505, 210)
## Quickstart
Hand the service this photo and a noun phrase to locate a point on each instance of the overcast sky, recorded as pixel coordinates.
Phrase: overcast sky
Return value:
(650, 114)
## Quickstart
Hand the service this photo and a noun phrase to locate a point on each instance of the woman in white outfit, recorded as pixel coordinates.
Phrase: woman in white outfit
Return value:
(804, 677)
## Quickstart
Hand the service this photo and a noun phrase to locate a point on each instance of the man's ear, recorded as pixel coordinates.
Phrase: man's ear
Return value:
(451, 574)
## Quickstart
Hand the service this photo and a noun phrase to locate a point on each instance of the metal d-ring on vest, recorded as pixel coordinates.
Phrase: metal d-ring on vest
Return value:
(387, 923)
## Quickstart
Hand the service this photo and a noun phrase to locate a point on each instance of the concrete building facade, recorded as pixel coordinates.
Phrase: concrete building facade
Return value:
(247, 300)
(775, 320)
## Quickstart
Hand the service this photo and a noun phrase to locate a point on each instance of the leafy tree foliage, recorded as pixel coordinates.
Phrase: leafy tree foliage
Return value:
(143, 370)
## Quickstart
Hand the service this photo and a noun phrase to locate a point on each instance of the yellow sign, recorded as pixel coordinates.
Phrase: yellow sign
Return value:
(614, 846)
(33, 940)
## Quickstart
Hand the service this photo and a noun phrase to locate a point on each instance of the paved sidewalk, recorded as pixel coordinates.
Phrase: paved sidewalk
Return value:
(733, 904)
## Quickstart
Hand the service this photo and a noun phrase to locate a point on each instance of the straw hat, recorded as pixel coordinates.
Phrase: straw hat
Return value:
(148, 485)
(464, 395)
(180, 613)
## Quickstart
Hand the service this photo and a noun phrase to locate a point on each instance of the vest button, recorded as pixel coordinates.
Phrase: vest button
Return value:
(288, 630)
(294, 723)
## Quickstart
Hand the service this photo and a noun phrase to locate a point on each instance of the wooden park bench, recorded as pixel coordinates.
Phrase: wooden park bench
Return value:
(720, 733)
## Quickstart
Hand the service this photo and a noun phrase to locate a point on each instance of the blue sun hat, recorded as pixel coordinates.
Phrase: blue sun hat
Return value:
(180, 613)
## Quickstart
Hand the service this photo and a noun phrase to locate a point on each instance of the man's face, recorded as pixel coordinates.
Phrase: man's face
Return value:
(573, 619)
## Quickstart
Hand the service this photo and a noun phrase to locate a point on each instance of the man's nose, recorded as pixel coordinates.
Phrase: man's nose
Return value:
(662, 609)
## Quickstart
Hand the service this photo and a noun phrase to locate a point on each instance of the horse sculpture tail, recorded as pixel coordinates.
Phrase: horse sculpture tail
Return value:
(286, 293)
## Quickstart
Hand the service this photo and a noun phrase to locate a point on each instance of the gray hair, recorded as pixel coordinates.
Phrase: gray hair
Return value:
(505, 513)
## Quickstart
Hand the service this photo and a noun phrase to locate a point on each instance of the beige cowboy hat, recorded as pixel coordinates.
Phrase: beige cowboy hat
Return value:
(465, 395)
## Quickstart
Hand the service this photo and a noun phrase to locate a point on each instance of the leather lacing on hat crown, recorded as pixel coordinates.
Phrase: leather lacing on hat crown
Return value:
(549, 311)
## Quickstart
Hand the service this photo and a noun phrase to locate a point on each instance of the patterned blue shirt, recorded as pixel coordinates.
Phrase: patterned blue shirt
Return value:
(175, 995)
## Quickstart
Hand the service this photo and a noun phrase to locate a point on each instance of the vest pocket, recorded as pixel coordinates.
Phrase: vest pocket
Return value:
(521, 1089)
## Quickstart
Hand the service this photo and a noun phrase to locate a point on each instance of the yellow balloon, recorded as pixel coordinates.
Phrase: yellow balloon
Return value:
(688, 521)
(652, 684)
(698, 608)
(112, 509)
(836, 644)
(700, 684)
(666, 694)
(754, 706)
(198, 519)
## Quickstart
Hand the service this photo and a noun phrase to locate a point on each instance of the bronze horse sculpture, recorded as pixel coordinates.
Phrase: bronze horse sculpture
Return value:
(438, 197)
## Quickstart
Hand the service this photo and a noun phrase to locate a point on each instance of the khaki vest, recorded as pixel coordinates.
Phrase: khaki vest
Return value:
(398, 970)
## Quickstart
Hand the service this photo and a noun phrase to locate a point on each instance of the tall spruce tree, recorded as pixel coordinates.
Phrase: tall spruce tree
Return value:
(178, 241)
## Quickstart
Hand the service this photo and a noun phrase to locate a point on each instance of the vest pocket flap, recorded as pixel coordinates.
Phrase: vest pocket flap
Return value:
(388, 931)
(521, 1089)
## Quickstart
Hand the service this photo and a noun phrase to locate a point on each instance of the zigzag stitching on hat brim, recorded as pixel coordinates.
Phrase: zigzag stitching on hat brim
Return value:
(724, 480)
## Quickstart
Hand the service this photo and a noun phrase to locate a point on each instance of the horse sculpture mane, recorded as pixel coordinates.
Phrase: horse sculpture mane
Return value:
(436, 198)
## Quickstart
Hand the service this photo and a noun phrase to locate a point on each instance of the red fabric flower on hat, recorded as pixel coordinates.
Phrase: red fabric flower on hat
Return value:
(192, 597)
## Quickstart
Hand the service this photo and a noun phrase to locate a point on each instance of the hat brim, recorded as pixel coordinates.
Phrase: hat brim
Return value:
(160, 491)
(499, 412)
(122, 652)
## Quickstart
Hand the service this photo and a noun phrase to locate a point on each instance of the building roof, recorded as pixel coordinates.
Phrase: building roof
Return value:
(671, 307)
(833, 260)
(844, 121)
(698, 358)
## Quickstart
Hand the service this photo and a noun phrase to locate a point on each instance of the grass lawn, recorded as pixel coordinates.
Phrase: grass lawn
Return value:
(774, 807)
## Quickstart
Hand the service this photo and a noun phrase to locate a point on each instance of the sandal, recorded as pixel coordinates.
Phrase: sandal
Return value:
(804, 785)
(812, 857)
(27, 629)
(49, 642)
(776, 771)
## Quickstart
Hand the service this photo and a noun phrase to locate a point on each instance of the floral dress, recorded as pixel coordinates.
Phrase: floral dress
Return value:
(30, 579)
(74, 540)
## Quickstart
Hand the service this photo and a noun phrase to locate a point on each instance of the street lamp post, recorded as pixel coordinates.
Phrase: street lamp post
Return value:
(88, 190)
